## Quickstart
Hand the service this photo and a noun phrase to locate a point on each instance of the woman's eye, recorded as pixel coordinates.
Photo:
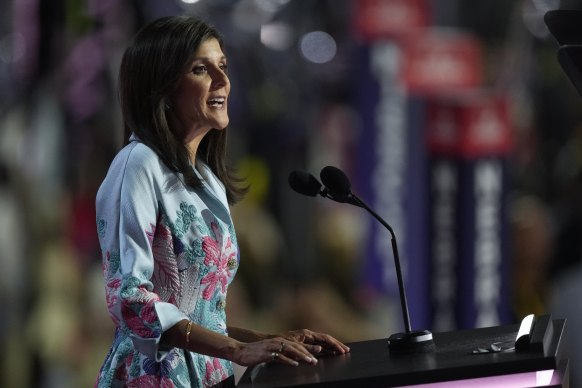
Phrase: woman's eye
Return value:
(199, 69)
(224, 67)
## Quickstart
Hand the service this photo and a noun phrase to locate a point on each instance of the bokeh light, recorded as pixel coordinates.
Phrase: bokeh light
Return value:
(277, 36)
(318, 47)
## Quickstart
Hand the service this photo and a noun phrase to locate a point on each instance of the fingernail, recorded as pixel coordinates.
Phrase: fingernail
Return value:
(314, 360)
(295, 363)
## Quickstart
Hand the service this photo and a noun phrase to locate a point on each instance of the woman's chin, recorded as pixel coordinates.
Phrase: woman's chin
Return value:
(221, 125)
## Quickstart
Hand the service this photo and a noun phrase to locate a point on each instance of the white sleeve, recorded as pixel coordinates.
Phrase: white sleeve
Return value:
(136, 305)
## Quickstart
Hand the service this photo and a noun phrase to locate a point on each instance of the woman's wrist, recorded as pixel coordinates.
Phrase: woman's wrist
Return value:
(231, 350)
(246, 335)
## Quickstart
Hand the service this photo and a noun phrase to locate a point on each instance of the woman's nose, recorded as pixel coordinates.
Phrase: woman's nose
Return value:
(220, 79)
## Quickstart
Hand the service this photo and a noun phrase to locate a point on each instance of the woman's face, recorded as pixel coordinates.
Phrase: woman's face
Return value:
(200, 102)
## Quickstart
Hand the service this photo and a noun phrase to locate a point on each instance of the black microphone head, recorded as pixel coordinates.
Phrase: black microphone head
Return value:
(304, 183)
(336, 180)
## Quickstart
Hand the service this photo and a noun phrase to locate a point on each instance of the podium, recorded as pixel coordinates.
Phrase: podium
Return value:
(460, 359)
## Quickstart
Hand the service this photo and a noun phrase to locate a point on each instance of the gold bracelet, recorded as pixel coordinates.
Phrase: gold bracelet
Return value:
(188, 330)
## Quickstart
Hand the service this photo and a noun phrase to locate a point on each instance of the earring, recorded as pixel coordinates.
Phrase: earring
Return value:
(167, 106)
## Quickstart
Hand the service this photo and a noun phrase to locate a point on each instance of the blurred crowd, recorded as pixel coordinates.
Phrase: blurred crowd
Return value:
(60, 127)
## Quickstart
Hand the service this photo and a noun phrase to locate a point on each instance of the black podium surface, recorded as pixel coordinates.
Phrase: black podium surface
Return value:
(370, 364)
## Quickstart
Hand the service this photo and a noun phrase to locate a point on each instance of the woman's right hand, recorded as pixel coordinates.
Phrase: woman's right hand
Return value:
(275, 349)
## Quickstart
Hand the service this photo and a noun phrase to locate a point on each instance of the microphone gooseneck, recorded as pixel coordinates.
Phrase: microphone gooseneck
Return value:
(339, 186)
(337, 182)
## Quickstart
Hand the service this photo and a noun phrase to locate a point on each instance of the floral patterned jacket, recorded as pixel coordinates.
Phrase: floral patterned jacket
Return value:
(169, 253)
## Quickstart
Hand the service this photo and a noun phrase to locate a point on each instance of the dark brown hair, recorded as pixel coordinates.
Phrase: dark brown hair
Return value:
(150, 72)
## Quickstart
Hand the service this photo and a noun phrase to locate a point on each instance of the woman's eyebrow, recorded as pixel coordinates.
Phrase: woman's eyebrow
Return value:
(221, 58)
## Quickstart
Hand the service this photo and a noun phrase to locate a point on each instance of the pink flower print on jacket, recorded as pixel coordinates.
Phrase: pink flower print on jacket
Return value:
(219, 258)
(138, 310)
(166, 252)
(214, 372)
(111, 297)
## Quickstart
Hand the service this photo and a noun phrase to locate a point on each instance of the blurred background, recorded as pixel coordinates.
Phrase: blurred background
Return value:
(452, 118)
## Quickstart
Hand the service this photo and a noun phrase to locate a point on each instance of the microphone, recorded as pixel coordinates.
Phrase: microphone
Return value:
(410, 341)
(306, 184)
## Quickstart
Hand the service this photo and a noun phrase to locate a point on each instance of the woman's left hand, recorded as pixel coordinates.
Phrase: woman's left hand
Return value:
(316, 343)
